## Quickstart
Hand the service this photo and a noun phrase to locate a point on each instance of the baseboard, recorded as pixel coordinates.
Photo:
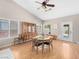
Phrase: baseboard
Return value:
(6, 45)
(12, 43)
(3, 46)
(76, 42)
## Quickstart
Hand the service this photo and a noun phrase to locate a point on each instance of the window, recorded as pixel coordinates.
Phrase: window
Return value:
(4, 28)
(8, 28)
(13, 28)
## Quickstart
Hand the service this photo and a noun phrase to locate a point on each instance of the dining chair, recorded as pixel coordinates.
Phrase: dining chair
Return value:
(37, 43)
(48, 43)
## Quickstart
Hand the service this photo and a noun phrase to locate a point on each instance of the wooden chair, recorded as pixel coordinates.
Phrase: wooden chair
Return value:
(53, 37)
(21, 38)
(24, 37)
(18, 40)
(48, 43)
(36, 43)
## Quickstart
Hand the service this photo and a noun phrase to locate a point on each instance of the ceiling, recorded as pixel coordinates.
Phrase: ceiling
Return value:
(62, 8)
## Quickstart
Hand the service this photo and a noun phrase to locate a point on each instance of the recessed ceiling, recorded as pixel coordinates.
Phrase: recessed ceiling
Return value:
(62, 8)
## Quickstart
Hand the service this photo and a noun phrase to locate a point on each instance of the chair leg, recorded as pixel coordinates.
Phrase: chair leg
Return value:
(49, 48)
(33, 48)
(37, 50)
(42, 48)
(51, 45)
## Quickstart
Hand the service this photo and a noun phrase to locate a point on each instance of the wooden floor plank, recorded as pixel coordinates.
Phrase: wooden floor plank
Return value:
(61, 50)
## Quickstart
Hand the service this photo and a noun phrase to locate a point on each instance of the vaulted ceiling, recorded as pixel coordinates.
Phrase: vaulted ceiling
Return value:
(62, 8)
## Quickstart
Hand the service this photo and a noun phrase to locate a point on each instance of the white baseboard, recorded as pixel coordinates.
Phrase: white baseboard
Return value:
(6, 45)
(3, 44)
(76, 42)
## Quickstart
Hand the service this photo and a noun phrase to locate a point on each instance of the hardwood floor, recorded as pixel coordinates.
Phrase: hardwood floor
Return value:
(61, 50)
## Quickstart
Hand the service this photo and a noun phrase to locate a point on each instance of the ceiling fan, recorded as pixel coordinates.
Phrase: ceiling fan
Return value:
(45, 4)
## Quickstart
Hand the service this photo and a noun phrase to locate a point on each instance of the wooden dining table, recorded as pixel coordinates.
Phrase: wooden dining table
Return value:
(43, 41)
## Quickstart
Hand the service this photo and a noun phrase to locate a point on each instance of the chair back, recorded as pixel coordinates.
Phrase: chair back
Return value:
(53, 37)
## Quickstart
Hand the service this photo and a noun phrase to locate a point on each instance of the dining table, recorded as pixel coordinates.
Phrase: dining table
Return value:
(44, 40)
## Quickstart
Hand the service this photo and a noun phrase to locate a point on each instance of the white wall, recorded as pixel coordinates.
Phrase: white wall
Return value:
(74, 19)
(9, 10)
(52, 22)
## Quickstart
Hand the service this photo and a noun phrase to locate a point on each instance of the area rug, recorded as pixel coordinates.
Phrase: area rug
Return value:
(6, 54)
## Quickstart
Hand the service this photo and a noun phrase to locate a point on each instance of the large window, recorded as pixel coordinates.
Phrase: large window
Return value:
(8, 28)
(39, 29)
(13, 28)
(4, 28)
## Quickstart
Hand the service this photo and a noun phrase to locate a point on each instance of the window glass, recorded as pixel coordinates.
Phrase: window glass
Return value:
(13, 28)
(4, 28)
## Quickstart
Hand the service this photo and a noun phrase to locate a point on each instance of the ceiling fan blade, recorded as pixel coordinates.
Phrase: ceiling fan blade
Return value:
(39, 7)
(45, 6)
(46, 1)
(50, 5)
(38, 2)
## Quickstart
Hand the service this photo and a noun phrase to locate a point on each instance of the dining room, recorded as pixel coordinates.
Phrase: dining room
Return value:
(44, 29)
